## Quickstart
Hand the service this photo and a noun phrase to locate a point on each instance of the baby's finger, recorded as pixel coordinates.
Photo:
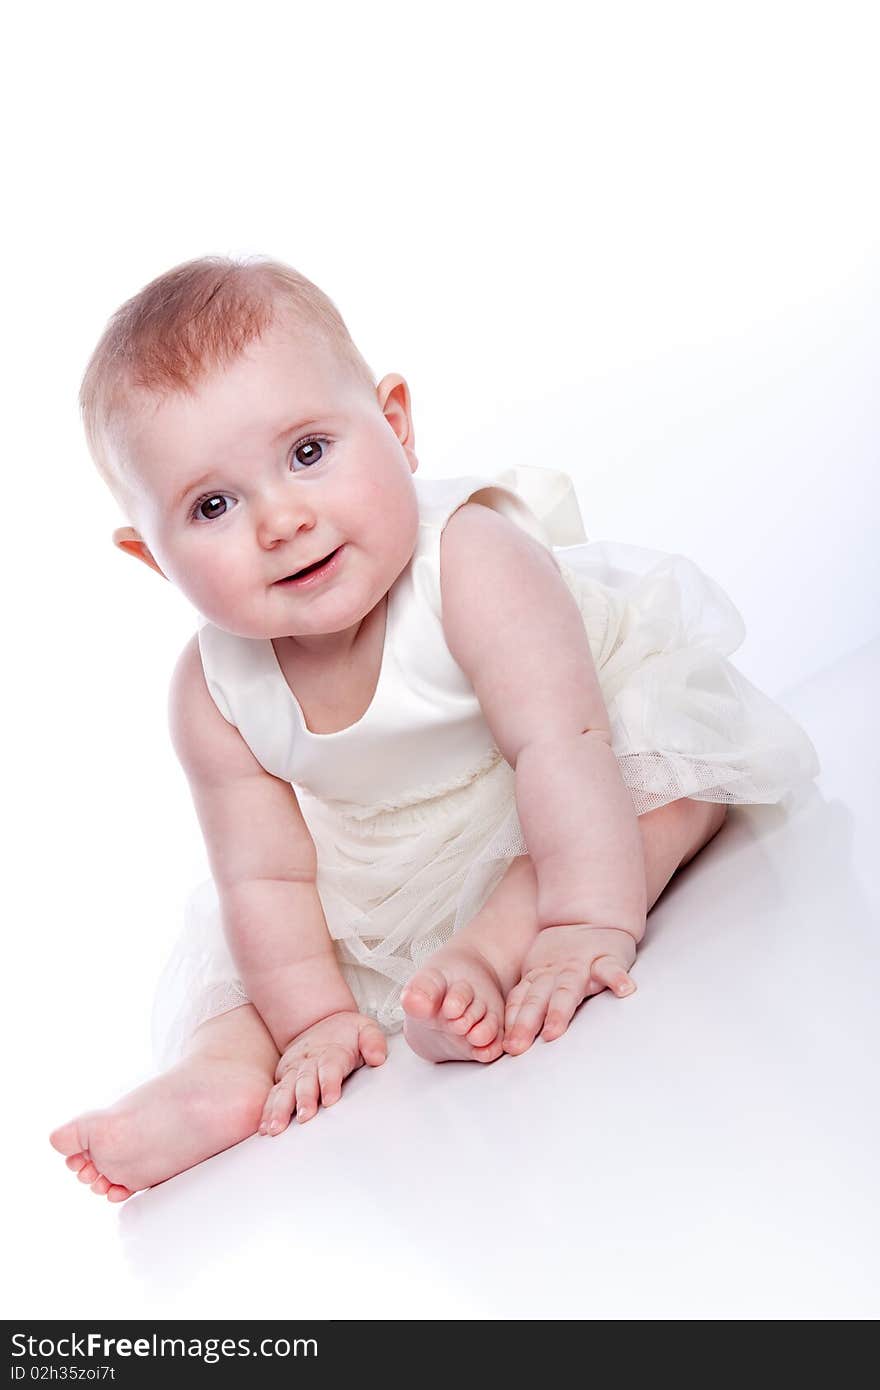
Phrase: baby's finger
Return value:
(333, 1068)
(279, 1106)
(307, 1094)
(372, 1044)
(530, 1017)
(567, 995)
(610, 972)
(513, 1002)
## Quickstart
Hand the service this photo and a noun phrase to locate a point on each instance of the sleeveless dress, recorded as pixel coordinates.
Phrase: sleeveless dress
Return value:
(412, 808)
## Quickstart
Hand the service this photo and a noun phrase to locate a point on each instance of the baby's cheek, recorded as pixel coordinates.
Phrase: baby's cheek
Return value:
(220, 595)
(399, 529)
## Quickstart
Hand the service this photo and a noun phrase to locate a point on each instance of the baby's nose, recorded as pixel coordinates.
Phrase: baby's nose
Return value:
(280, 517)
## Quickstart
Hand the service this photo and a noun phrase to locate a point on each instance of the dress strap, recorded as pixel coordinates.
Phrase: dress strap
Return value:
(245, 683)
(542, 501)
(549, 495)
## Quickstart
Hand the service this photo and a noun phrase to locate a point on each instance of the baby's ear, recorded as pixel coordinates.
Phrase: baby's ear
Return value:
(392, 394)
(128, 539)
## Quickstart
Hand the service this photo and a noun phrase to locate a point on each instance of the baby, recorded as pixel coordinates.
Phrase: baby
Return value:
(420, 805)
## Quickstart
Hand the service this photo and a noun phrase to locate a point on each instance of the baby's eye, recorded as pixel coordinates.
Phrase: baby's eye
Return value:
(307, 453)
(209, 508)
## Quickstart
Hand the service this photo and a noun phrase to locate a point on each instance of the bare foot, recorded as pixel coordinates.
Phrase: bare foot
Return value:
(202, 1105)
(455, 1006)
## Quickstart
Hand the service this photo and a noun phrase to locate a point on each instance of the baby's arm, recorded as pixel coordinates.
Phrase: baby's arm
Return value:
(264, 864)
(515, 629)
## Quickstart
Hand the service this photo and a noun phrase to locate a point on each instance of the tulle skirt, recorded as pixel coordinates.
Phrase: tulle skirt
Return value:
(395, 884)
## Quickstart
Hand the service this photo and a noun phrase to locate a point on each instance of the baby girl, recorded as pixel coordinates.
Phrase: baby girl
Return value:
(446, 754)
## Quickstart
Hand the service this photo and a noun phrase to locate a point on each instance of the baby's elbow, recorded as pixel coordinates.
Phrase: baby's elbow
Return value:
(560, 740)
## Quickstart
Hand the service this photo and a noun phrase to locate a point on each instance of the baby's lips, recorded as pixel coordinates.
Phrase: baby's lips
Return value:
(313, 564)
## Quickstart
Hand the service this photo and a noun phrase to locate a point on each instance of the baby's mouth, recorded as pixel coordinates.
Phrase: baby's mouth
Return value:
(310, 569)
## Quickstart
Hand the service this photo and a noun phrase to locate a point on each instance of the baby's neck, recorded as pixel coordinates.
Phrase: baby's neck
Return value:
(333, 648)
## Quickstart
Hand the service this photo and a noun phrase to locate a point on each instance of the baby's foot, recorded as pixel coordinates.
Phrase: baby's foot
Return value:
(455, 1007)
(564, 966)
(201, 1106)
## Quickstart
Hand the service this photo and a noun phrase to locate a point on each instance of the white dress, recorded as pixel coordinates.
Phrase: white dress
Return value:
(412, 807)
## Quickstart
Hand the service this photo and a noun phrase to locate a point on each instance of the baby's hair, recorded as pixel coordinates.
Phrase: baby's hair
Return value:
(194, 319)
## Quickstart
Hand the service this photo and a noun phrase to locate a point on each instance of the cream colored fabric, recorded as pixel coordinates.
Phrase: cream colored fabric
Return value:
(424, 714)
(412, 808)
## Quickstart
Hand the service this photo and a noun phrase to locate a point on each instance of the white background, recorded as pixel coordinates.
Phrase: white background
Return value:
(637, 242)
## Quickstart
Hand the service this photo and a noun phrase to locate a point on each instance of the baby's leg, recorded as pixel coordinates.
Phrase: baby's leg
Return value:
(456, 1006)
(210, 1100)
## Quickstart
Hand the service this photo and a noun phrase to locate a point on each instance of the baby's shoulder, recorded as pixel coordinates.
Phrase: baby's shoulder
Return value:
(482, 549)
(188, 694)
(187, 677)
(202, 736)
(473, 527)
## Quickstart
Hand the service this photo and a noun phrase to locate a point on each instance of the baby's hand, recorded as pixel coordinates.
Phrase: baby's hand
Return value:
(315, 1065)
(563, 967)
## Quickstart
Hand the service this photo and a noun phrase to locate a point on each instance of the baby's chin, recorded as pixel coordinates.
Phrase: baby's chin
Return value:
(268, 629)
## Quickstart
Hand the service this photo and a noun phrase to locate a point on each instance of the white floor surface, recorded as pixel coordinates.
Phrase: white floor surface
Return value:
(706, 1148)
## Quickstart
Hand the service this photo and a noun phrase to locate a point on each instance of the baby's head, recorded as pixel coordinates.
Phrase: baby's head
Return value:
(242, 433)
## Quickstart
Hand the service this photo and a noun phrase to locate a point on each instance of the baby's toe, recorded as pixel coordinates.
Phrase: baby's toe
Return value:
(65, 1139)
(485, 1031)
(472, 1015)
(491, 1052)
(459, 997)
(425, 993)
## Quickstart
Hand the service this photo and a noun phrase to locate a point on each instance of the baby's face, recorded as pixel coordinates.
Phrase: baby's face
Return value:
(275, 462)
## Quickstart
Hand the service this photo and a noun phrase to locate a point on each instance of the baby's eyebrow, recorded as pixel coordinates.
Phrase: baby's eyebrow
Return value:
(191, 487)
(298, 425)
